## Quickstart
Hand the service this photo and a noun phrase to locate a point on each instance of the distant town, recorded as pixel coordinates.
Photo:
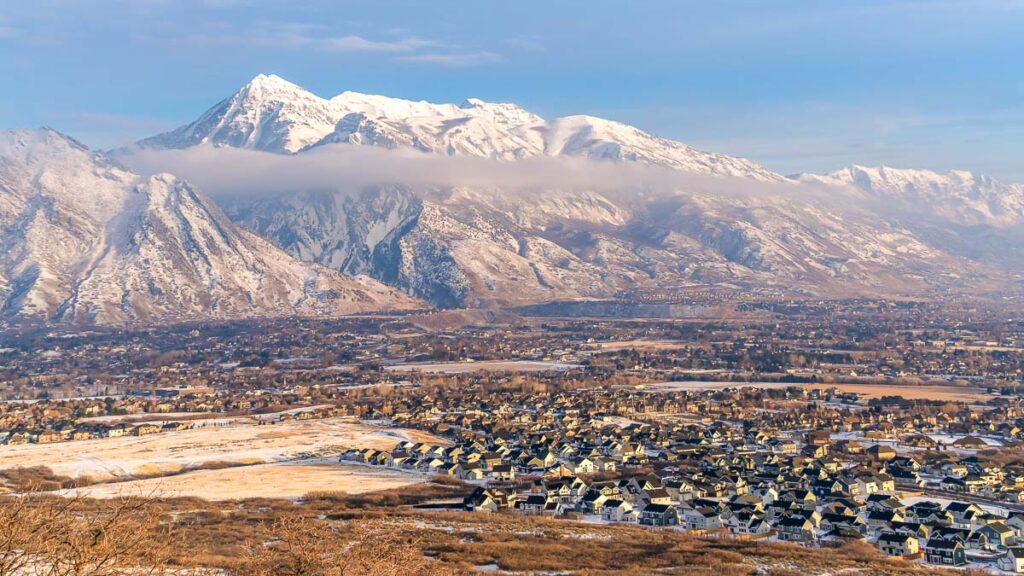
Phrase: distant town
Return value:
(819, 424)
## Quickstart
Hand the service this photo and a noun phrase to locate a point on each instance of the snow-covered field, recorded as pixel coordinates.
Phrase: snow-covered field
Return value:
(483, 366)
(699, 386)
(275, 480)
(172, 452)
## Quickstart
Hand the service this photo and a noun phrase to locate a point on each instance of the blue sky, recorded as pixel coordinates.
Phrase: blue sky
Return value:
(795, 85)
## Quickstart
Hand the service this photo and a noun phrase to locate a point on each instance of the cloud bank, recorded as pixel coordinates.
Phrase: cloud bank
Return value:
(226, 173)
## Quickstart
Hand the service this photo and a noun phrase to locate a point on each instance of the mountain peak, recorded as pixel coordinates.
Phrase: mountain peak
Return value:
(272, 88)
(274, 115)
(268, 113)
(266, 81)
(471, 103)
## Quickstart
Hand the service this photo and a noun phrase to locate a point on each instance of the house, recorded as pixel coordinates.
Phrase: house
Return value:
(970, 443)
(953, 484)
(532, 504)
(118, 430)
(586, 465)
(964, 514)
(17, 437)
(480, 501)
(830, 522)
(656, 496)
(897, 544)
(468, 470)
(999, 534)
(843, 535)
(703, 518)
(782, 446)
(618, 511)
(1013, 560)
(945, 552)
(503, 472)
(1016, 522)
(796, 529)
(592, 502)
(882, 452)
(49, 437)
(659, 515)
(977, 541)
(145, 429)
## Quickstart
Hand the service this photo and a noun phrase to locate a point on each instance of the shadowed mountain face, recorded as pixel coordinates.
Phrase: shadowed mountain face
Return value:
(84, 240)
(859, 231)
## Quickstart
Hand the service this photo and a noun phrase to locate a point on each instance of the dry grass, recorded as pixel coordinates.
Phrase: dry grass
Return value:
(380, 533)
(38, 478)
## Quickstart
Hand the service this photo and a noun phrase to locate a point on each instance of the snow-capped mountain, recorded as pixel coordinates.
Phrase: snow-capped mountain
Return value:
(960, 196)
(273, 115)
(858, 231)
(268, 114)
(84, 240)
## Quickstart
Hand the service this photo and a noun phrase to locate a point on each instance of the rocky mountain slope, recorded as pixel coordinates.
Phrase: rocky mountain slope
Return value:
(84, 240)
(855, 232)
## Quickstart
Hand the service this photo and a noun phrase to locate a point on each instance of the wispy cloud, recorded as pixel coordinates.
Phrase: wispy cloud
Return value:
(353, 43)
(297, 36)
(453, 60)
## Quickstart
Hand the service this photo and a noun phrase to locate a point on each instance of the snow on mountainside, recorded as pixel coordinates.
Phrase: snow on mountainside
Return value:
(841, 234)
(960, 196)
(274, 115)
(483, 247)
(268, 114)
(599, 139)
(84, 240)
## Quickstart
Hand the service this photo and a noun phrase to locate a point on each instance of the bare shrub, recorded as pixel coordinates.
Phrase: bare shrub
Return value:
(300, 546)
(56, 536)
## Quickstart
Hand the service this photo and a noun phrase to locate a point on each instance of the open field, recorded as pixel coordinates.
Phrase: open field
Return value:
(483, 366)
(197, 418)
(174, 452)
(699, 386)
(275, 480)
(639, 345)
(946, 393)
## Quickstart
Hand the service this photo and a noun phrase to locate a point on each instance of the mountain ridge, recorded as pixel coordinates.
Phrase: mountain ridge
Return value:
(86, 241)
(498, 245)
(273, 115)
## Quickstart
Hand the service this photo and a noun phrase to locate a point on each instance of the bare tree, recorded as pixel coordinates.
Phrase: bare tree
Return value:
(45, 535)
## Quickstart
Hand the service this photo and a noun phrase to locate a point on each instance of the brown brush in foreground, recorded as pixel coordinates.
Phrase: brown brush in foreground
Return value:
(299, 546)
(52, 536)
(42, 535)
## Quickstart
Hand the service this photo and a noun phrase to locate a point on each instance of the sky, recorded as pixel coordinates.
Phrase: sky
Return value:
(798, 86)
